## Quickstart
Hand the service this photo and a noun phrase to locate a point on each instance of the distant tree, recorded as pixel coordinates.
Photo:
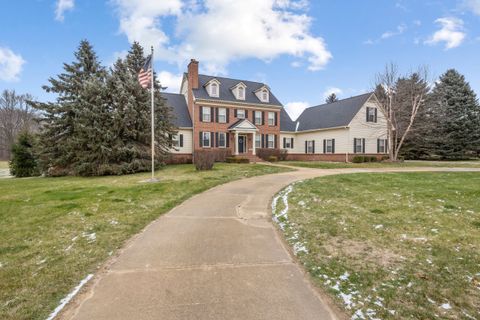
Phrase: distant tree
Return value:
(15, 116)
(331, 98)
(454, 111)
(24, 162)
(401, 99)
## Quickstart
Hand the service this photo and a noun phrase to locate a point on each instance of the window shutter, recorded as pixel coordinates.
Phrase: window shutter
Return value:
(386, 146)
(181, 140)
(275, 141)
(201, 114)
(333, 145)
(263, 141)
(201, 139)
(378, 145)
(376, 115)
(306, 146)
(363, 145)
(313, 145)
(263, 118)
(354, 145)
(284, 142)
(227, 137)
(246, 114)
(324, 146)
(291, 143)
(367, 112)
(215, 110)
(275, 118)
(228, 115)
(216, 139)
(235, 113)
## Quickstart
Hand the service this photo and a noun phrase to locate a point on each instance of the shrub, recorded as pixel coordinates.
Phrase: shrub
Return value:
(358, 159)
(237, 160)
(373, 159)
(283, 155)
(266, 153)
(204, 159)
(221, 155)
(24, 162)
(272, 159)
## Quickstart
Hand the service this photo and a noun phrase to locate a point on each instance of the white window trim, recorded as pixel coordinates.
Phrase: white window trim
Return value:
(243, 111)
(372, 110)
(288, 143)
(258, 139)
(209, 139)
(241, 96)
(224, 139)
(359, 140)
(331, 145)
(264, 94)
(272, 119)
(260, 122)
(212, 94)
(310, 146)
(384, 146)
(270, 141)
(204, 113)
(224, 115)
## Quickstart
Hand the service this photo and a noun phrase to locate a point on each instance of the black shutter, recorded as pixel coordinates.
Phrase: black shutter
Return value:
(363, 145)
(215, 113)
(201, 114)
(201, 139)
(354, 145)
(263, 118)
(228, 115)
(246, 114)
(367, 112)
(386, 146)
(284, 142)
(216, 139)
(275, 141)
(324, 146)
(291, 143)
(333, 145)
(235, 113)
(306, 146)
(378, 145)
(181, 140)
(263, 141)
(376, 115)
(227, 138)
(313, 146)
(275, 119)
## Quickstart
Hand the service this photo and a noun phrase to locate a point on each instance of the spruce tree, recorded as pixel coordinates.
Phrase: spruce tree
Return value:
(331, 98)
(24, 161)
(453, 108)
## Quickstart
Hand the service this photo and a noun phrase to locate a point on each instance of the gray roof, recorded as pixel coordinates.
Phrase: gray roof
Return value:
(331, 115)
(181, 116)
(286, 123)
(227, 95)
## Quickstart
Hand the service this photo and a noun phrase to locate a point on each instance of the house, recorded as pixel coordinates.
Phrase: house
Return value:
(242, 116)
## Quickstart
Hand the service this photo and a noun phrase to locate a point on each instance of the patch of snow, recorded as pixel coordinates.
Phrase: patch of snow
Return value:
(446, 306)
(114, 222)
(392, 312)
(91, 237)
(299, 247)
(1, 265)
(69, 248)
(41, 261)
(409, 285)
(336, 287)
(347, 300)
(441, 200)
(378, 226)
(358, 315)
(344, 276)
(69, 297)
(301, 203)
(435, 230)
(468, 316)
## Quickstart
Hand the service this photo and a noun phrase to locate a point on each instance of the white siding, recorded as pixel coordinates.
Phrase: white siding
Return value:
(370, 131)
(340, 136)
(187, 142)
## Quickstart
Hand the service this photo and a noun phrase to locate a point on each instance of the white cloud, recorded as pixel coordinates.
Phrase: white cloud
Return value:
(217, 31)
(473, 5)
(388, 34)
(451, 32)
(10, 65)
(294, 109)
(61, 7)
(170, 80)
(331, 90)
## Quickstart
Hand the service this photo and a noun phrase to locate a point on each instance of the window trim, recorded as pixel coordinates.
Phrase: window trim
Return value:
(209, 114)
(220, 115)
(288, 143)
(261, 118)
(241, 93)
(270, 113)
(243, 111)
(310, 146)
(264, 95)
(272, 141)
(204, 134)
(224, 139)
(371, 114)
(212, 85)
(356, 144)
(384, 145)
(258, 139)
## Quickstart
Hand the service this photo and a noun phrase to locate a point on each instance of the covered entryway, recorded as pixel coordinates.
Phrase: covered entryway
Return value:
(242, 143)
(244, 132)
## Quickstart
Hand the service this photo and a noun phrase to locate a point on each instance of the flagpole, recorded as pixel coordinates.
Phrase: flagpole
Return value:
(152, 118)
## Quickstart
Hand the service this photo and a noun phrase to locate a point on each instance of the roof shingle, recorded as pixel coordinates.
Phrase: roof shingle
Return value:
(178, 104)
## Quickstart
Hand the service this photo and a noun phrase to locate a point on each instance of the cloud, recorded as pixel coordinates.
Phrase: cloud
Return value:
(61, 7)
(331, 90)
(451, 32)
(10, 65)
(400, 29)
(217, 31)
(170, 80)
(473, 5)
(294, 109)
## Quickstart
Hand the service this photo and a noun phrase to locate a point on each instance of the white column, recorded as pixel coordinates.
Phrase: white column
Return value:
(253, 143)
(236, 143)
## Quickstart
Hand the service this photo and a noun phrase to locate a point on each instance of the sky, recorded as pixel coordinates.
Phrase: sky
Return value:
(303, 50)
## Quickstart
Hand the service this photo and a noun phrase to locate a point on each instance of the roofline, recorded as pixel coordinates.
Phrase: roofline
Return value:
(323, 129)
(206, 83)
(241, 82)
(238, 102)
(326, 104)
(264, 86)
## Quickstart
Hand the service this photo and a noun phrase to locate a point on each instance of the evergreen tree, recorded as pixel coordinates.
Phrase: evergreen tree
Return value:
(454, 110)
(24, 162)
(331, 98)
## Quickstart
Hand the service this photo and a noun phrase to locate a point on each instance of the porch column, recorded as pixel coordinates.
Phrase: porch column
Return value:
(253, 143)
(236, 143)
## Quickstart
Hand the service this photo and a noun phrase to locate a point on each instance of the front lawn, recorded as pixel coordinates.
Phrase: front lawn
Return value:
(389, 246)
(55, 231)
(340, 165)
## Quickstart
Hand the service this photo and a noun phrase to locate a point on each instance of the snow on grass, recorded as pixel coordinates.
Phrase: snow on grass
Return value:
(69, 297)
(91, 237)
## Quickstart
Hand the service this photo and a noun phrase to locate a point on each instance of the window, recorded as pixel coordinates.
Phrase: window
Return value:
(271, 141)
(371, 114)
(311, 146)
(358, 145)
(222, 140)
(258, 117)
(206, 140)
(258, 141)
(214, 90)
(241, 93)
(175, 141)
(382, 146)
(264, 95)
(271, 118)
(240, 113)
(288, 143)
(206, 114)
(222, 115)
(329, 146)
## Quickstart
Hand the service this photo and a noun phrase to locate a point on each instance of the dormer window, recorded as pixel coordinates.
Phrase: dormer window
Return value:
(263, 94)
(214, 90)
(238, 91)
(241, 93)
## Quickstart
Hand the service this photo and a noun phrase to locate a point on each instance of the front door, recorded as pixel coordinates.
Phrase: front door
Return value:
(242, 141)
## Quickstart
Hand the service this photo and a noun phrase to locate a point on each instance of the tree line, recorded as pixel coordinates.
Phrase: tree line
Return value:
(99, 123)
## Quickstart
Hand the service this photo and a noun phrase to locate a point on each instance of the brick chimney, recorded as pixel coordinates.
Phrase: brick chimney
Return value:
(193, 74)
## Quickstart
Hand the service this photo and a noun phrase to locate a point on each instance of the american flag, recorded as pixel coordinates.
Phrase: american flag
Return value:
(145, 75)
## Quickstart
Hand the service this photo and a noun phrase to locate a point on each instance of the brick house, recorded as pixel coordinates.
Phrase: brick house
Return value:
(242, 116)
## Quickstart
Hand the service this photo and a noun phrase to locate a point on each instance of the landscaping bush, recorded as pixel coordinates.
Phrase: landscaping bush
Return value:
(358, 159)
(24, 162)
(266, 153)
(204, 159)
(283, 155)
(237, 160)
(373, 159)
(221, 155)
(272, 159)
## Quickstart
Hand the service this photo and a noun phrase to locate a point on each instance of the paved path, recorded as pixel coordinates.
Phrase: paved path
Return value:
(216, 256)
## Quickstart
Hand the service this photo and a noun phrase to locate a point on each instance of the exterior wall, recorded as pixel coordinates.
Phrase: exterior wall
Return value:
(179, 158)
(340, 135)
(187, 142)
(337, 157)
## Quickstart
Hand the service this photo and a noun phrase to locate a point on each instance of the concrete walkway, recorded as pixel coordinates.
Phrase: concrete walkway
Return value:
(216, 256)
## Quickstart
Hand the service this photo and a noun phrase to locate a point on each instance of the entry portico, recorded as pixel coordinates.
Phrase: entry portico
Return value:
(242, 129)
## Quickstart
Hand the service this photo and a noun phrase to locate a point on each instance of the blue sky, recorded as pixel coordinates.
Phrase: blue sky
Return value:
(302, 49)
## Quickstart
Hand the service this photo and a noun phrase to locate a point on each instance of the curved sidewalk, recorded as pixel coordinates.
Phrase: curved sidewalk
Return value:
(216, 256)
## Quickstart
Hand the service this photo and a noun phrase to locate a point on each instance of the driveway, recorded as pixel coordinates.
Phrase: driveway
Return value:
(216, 256)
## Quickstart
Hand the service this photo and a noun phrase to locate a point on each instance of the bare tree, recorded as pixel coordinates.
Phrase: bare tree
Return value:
(15, 116)
(400, 99)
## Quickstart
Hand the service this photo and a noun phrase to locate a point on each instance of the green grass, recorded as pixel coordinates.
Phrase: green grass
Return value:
(54, 231)
(3, 164)
(400, 244)
(340, 165)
